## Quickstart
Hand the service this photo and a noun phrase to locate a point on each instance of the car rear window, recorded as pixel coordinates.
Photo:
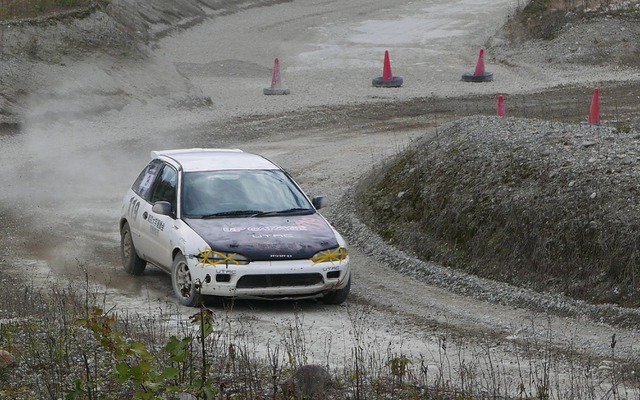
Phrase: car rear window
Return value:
(143, 184)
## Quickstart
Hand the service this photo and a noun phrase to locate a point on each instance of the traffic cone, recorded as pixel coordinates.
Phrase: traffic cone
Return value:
(276, 84)
(386, 69)
(479, 75)
(387, 79)
(594, 110)
(500, 111)
(480, 64)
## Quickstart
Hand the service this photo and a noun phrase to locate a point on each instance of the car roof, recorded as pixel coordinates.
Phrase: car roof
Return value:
(199, 159)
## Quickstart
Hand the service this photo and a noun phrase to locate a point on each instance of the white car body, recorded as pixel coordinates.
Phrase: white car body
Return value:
(256, 254)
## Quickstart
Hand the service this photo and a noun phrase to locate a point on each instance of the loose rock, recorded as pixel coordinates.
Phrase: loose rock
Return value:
(308, 382)
(6, 358)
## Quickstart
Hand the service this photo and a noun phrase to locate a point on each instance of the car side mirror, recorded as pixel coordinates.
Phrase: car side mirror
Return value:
(319, 202)
(162, 208)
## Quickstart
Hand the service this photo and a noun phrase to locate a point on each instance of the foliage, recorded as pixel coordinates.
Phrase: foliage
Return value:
(137, 365)
(68, 349)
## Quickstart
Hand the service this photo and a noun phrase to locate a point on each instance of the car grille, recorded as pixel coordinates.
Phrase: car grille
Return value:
(266, 281)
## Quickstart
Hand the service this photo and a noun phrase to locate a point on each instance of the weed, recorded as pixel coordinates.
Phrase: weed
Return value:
(67, 351)
(34, 8)
(508, 207)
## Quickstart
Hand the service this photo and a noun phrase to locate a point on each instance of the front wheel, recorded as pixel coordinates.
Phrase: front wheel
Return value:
(132, 263)
(338, 296)
(184, 287)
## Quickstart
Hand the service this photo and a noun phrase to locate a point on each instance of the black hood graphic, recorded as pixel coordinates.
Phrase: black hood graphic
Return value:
(270, 238)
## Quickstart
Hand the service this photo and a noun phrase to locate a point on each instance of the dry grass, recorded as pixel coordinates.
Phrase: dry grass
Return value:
(57, 357)
(521, 203)
(19, 9)
(543, 19)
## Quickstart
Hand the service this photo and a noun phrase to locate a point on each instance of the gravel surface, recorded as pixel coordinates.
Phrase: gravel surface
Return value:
(577, 160)
(93, 120)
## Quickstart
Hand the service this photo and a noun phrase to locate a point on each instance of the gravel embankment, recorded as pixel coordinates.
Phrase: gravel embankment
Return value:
(588, 150)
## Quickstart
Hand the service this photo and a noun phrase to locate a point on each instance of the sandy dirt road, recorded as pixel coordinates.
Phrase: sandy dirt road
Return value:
(65, 173)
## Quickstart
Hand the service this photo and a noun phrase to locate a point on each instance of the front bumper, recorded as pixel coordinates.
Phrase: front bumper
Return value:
(270, 279)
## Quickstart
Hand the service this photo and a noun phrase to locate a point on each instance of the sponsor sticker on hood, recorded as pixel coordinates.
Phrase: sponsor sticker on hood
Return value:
(267, 238)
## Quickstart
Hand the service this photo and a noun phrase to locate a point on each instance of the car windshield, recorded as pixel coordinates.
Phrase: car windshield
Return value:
(237, 193)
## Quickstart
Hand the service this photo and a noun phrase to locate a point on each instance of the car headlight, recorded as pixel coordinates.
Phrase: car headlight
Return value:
(337, 254)
(209, 256)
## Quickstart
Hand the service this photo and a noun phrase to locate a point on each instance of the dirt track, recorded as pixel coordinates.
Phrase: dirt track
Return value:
(65, 173)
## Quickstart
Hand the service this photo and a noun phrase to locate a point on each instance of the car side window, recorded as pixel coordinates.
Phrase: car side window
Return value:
(144, 182)
(165, 187)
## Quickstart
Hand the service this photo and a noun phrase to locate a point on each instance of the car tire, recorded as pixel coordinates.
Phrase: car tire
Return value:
(338, 296)
(394, 82)
(183, 286)
(470, 77)
(133, 264)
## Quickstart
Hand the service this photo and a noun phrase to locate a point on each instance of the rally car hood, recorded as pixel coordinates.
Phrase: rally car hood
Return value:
(269, 238)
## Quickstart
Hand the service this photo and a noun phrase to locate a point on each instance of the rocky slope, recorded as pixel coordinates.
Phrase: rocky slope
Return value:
(105, 36)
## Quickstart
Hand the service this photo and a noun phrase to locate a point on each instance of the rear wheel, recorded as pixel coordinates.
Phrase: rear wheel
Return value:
(183, 285)
(133, 264)
(338, 296)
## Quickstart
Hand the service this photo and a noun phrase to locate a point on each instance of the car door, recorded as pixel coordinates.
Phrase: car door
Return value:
(157, 229)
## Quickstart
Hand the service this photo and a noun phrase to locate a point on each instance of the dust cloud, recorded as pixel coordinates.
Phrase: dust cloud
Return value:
(82, 142)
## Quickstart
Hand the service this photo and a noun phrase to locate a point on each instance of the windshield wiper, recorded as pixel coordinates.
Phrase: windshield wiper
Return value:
(291, 211)
(235, 213)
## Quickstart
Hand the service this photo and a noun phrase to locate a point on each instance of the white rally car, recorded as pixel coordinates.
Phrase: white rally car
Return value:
(223, 222)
